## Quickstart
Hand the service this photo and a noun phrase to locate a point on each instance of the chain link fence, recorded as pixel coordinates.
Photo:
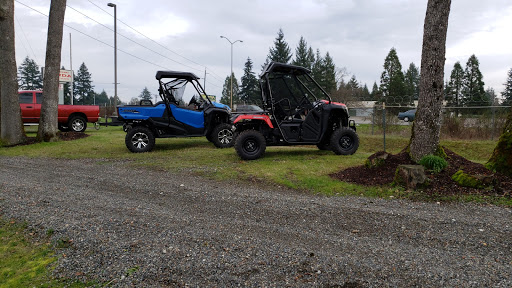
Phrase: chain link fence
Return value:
(464, 123)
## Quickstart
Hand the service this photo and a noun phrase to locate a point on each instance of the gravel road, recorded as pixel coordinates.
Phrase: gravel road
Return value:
(136, 228)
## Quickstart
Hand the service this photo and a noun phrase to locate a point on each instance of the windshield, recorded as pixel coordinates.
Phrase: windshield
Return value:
(183, 93)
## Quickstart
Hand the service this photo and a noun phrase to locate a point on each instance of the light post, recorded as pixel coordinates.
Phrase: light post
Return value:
(231, 76)
(115, 54)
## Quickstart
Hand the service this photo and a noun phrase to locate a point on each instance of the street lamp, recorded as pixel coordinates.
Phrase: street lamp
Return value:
(115, 54)
(231, 76)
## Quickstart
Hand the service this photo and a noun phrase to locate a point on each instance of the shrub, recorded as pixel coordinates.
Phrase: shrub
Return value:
(434, 163)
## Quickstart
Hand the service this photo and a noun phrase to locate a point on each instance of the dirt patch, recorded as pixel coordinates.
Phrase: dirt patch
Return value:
(440, 184)
(63, 136)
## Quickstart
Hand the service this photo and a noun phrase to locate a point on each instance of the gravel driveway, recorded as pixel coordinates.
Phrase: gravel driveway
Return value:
(132, 227)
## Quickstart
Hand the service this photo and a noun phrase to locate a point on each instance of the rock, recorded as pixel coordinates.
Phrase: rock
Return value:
(376, 159)
(410, 176)
(474, 181)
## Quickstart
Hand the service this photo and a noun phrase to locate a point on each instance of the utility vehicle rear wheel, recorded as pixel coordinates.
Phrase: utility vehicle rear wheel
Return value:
(250, 145)
(223, 136)
(344, 141)
(139, 139)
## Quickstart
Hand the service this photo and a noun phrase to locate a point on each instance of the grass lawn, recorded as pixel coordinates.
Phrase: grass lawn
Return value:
(298, 167)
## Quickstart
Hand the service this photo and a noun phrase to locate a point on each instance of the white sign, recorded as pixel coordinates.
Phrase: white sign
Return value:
(66, 76)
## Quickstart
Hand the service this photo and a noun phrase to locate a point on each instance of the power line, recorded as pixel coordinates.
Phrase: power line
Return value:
(140, 33)
(26, 39)
(85, 34)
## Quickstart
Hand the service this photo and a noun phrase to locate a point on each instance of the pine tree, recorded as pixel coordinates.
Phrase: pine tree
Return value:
(329, 74)
(375, 92)
(250, 89)
(392, 80)
(454, 86)
(226, 91)
(102, 98)
(83, 88)
(473, 85)
(145, 94)
(412, 83)
(303, 55)
(30, 75)
(507, 93)
(281, 52)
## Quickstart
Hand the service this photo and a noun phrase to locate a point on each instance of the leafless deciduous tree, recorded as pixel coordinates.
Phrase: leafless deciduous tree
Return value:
(427, 125)
(11, 131)
(49, 108)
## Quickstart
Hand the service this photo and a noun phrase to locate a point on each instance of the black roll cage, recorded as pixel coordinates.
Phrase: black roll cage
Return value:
(179, 79)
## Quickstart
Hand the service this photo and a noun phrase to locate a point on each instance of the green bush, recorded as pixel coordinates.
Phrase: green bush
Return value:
(434, 163)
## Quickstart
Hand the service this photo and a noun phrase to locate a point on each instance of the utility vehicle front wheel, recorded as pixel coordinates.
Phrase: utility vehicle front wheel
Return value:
(223, 136)
(139, 139)
(250, 145)
(344, 141)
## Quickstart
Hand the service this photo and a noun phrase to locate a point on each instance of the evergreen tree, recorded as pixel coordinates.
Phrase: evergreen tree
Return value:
(507, 93)
(303, 55)
(281, 52)
(226, 91)
(83, 88)
(412, 83)
(250, 89)
(454, 86)
(375, 91)
(392, 80)
(102, 98)
(145, 94)
(317, 67)
(329, 74)
(29, 75)
(473, 85)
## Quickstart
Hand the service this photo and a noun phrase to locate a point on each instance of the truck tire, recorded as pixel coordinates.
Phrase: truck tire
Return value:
(223, 136)
(250, 145)
(344, 141)
(139, 139)
(77, 124)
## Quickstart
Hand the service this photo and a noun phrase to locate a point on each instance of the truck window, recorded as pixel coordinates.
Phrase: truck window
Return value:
(26, 98)
(39, 98)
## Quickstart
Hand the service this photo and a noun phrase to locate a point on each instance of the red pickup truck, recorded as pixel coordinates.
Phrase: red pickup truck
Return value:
(70, 117)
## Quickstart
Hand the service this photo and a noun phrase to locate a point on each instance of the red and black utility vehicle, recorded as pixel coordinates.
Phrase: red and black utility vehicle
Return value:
(297, 111)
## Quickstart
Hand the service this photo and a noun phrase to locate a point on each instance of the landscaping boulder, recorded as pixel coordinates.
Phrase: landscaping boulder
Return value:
(474, 181)
(410, 176)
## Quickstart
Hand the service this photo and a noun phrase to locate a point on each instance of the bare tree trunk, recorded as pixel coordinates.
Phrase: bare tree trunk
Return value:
(49, 108)
(427, 125)
(11, 131)
(501, 158)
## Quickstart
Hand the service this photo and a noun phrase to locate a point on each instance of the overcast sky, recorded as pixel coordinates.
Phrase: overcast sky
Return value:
(185, 36)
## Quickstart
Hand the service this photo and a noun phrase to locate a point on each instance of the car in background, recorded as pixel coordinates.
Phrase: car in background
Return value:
(407, 116)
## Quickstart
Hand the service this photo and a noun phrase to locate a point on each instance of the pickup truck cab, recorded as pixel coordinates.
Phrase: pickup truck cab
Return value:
(70, 117)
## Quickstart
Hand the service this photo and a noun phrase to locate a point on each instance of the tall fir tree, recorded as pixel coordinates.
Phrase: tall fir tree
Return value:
(375, 92)
(392, 80)
(281, 52)
(304, 55)
(29, 75)
(250, 88)
(507, 93)
(473, 85)
(83, 88)
(412, 83)
(454, 86)
(329, 74)
(226, 91)
(145, 94)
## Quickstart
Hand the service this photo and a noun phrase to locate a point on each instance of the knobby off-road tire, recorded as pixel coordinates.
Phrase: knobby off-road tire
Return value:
(77, 124)
(139, 139)
(344, 141)
(250, 145)
(223, 136)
